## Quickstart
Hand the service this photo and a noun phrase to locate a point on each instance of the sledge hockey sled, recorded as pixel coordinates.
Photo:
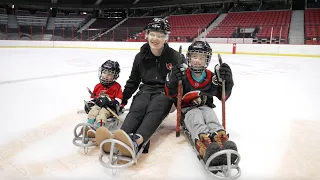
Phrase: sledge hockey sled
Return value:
(223, 172)
(81, 138)
(114, 158)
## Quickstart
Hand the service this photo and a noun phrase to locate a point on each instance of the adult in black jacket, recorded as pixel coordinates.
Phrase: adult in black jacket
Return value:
(150, 105)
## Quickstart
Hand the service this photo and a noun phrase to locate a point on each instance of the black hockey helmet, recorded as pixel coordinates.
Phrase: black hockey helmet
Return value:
(109, 66)
(159, 25)
(199, 47)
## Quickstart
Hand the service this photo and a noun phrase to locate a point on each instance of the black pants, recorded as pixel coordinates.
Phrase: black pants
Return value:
(146, 113)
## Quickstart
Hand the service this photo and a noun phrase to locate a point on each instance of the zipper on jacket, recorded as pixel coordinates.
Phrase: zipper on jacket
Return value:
(157, 67)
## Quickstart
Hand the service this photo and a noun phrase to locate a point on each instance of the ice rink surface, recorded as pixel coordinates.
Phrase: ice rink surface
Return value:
(272, 115)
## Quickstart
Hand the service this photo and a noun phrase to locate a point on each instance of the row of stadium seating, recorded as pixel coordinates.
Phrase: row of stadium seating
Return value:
(312, 25)
(186, 27)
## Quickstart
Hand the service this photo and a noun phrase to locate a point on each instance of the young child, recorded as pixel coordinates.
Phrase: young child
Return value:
(199, 87)
(108, 93)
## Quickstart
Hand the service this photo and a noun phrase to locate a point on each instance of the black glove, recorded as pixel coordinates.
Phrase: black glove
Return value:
(121, 107)
(225, 72)
(113, 103)
(124, 102)
(98, 102)
(102, 101)
(178, 72)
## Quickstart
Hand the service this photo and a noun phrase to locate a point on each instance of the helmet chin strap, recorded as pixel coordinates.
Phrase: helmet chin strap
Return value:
(107, 84)
(197, 69)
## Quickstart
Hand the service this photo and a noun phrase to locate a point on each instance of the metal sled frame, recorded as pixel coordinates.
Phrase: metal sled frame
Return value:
(114, 155)
(82, 140)
(224, 169)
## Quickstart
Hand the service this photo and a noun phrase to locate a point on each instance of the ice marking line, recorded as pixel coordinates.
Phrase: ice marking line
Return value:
(52, 76)
(44, 77)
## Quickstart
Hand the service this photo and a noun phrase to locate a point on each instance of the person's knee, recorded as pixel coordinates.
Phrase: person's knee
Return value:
(193, 111)
(93, 112)
(104, 112)
(101, 116)
(108, 114)
(163, 102)
(140, 102)
(190, 114)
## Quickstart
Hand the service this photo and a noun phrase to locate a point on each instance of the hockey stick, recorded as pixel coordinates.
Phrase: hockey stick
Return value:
(110, 110)
(223, 98)
(179, 98)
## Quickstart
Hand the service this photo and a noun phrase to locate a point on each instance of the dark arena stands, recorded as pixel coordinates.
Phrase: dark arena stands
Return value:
(226, 21)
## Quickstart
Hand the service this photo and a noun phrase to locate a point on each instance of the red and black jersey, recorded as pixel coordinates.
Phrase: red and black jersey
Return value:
(208, 86)
(114, 91)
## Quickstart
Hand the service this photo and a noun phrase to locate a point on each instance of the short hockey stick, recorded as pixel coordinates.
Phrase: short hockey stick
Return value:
(223, 98)
(179, 97)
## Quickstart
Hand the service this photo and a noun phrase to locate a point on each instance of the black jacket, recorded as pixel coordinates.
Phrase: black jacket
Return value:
(150, 70)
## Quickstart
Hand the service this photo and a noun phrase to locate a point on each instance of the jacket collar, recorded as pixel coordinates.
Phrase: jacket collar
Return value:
(146, 51)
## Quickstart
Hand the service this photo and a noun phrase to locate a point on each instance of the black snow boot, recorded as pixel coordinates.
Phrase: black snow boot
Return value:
(229, 145)
(212, 149)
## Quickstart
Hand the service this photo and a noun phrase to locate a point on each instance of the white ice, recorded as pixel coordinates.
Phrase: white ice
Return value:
(272, 115)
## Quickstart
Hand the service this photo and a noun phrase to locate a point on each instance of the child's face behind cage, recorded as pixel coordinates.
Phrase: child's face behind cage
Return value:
(107, 75)
(198, 59)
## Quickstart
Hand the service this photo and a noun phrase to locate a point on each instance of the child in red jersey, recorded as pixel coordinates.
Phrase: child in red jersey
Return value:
(107, 93)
